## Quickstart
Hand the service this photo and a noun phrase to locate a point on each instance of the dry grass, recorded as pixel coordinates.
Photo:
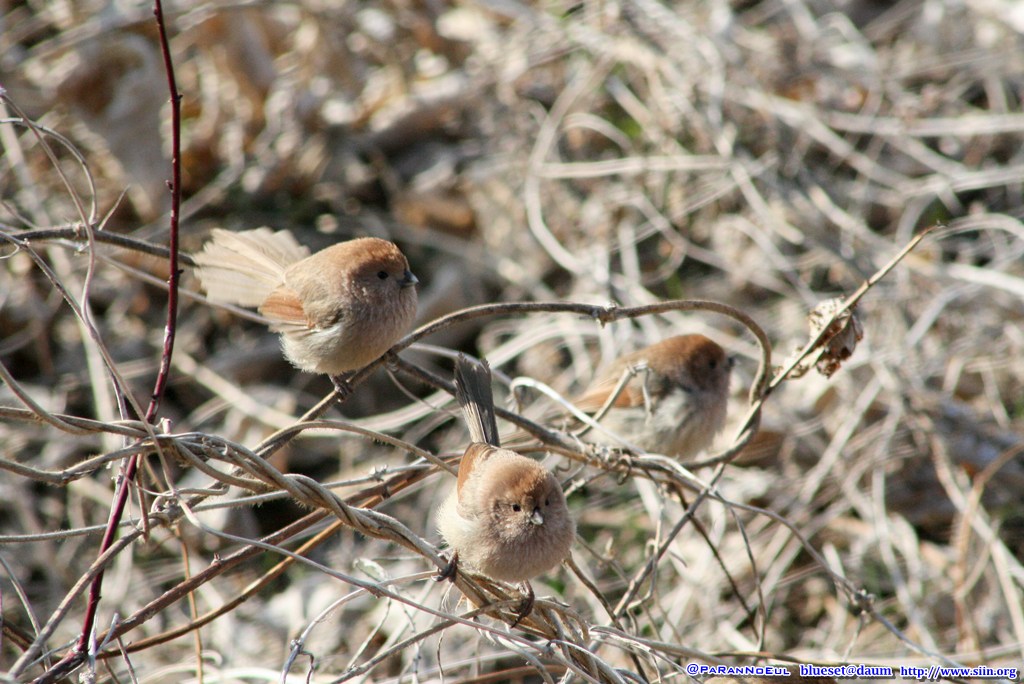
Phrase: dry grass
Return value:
(767, 157)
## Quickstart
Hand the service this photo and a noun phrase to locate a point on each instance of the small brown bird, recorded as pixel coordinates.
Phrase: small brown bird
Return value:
(336, 310)
(506, 518)
(675, 402)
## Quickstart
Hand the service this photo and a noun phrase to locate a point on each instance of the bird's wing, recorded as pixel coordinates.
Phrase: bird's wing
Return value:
(474, 456)
(598, 393)
(283, 308)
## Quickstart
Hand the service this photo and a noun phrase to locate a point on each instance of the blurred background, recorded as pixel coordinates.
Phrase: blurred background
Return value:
(768, 155)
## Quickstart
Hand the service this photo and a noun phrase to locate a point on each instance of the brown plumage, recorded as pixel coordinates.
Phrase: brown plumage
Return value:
(674, 404)
(506, 518)
(336, 310)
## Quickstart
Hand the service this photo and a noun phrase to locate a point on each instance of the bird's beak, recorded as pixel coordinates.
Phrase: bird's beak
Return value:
(409, 280)
(537, 518)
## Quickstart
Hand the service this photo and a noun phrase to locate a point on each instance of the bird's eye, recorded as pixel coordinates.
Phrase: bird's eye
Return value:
(712, 364)
(547, 502)
(383, 275)
(516, 507)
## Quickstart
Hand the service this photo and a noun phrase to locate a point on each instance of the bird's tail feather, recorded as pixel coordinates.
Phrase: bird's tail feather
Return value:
(476, 398)
(243, 268)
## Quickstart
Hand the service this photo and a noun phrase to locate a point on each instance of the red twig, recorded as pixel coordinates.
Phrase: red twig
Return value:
(175, 186)
(127, 474)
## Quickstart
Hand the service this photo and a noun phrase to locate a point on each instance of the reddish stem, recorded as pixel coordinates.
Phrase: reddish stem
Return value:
(127, 475)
